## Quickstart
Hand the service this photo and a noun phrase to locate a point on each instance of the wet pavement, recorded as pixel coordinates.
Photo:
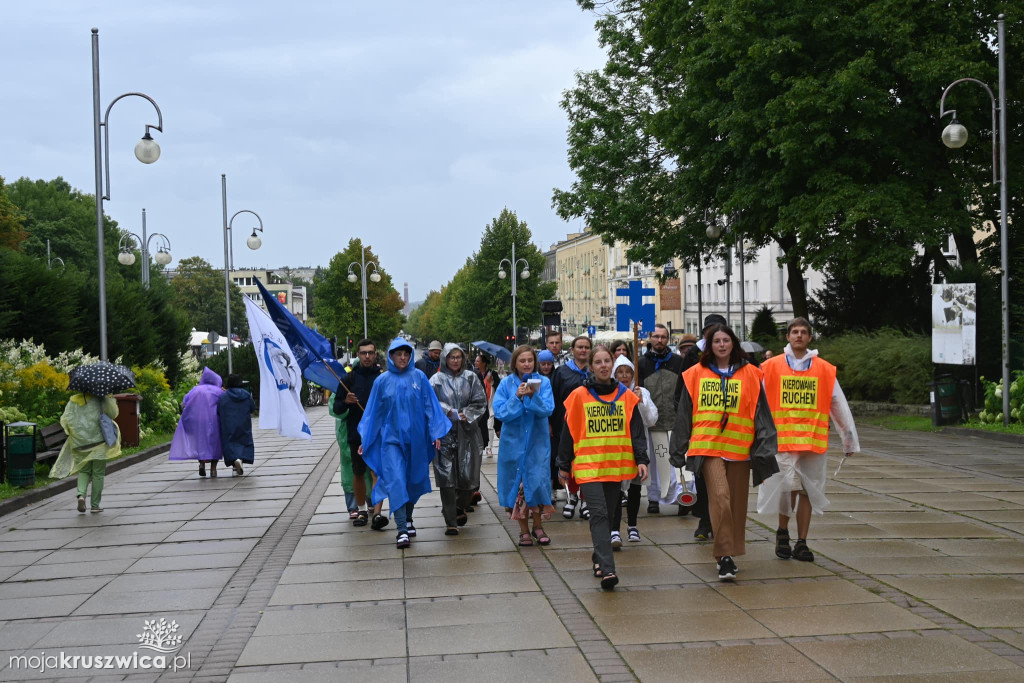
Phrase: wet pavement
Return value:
(919, 575)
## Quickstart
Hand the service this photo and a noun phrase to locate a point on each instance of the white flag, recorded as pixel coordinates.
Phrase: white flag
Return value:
(280, 377)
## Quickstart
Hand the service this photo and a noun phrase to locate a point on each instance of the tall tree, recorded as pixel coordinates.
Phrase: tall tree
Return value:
(199, 293)
(12, 222)
(340, 305)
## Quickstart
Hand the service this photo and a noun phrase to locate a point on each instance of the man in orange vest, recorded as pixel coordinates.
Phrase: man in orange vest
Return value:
(803, 393)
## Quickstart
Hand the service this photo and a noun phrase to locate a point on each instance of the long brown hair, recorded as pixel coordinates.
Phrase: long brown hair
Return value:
(707, 357)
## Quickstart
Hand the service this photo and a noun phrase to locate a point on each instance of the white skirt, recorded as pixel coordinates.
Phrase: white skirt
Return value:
(805, 473)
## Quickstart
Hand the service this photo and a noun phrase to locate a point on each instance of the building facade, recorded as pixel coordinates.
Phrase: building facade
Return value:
(291, 296)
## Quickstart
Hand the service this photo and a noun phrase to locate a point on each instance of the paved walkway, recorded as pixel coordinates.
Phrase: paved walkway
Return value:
(920, 574)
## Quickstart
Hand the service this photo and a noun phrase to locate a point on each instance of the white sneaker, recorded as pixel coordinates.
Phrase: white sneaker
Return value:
(238, 466)
(81, 503)
(616, 540)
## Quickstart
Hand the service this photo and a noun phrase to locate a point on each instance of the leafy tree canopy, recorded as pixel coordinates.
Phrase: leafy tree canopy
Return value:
(199, 293)
(339, 309)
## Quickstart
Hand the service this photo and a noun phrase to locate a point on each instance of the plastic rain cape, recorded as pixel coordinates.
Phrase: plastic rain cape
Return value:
(458, 462)
(81, 422)
(524, 451)
(402, 419)
(197, 436)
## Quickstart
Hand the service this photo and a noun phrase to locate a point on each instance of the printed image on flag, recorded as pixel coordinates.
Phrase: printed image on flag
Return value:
(281, 409)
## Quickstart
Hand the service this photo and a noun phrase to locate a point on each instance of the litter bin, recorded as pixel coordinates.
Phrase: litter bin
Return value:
(945, 399)
(21, 453)
(128, 415)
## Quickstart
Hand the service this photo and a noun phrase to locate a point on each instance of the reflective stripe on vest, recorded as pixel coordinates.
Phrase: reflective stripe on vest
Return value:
(708, 437)
(602, 443)
(800, 402)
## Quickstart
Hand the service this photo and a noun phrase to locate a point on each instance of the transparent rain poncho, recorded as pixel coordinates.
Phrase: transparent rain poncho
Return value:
(457, 464)
(81, 422)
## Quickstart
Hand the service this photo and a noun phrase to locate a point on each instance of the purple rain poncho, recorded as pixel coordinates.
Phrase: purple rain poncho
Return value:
(198, 434)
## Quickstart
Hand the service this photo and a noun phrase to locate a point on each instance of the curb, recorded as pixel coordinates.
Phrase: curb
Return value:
(35, 495)
(994, 436)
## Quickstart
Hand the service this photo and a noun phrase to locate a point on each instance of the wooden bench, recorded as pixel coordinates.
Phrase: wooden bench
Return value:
(53, 438)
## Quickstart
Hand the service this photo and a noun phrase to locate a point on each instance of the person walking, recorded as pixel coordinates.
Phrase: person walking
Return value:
(489, 380)
(624, 374)
(553, 343)
(235, 408)
(691, 357)
(87, 448)
(457, 463)
(546, 368)
(619, 348)
(347, 479)
(197, 436)
(523, 403)
(351, 401)
(566, 379)
(803, 393)
(724, 431)
(401, 431)
(661, 373)
(430, 361)
(602, 445)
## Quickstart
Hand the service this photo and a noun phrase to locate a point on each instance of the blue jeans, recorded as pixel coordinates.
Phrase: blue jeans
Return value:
(403, 517)
(350, 502)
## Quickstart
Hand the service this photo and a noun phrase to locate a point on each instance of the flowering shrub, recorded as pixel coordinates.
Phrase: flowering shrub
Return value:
(993, 411)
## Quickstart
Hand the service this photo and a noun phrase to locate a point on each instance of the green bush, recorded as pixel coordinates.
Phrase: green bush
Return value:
(993, 412)
(763, 329)
(885, 366)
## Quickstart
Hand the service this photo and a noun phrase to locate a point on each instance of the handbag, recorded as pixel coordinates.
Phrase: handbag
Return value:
(109, 430)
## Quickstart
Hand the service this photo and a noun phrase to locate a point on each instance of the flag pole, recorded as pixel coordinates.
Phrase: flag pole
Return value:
(636, 352)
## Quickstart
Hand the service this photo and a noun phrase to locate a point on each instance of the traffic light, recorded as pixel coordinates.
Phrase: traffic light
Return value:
(351, 342)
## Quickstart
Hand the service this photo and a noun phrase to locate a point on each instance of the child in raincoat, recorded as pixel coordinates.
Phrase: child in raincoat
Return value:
(85, 451)
(234, 412)
(524, 450)
(198, 434)
(401, 430)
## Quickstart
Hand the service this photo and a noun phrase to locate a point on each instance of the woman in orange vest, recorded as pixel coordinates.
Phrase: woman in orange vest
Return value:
(603, 444)
(723, 431)
(803, 392)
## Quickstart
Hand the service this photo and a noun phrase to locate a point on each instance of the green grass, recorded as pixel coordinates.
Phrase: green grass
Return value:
(1013, 428)
(901, 423)
(8, 491)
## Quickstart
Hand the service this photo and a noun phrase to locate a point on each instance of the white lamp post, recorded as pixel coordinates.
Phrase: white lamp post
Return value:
(253, 242)
(126, 258)
(512, 265)
(362, 265)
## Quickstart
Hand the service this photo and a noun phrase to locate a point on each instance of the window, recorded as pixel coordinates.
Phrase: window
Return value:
(755, 292)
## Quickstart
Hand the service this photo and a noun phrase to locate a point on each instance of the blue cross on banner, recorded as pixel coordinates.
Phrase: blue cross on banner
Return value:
(636, 309)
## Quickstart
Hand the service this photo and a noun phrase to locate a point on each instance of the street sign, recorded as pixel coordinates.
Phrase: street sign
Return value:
(591, 330)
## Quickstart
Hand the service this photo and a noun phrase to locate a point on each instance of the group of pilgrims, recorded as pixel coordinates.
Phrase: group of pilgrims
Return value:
(697, 425)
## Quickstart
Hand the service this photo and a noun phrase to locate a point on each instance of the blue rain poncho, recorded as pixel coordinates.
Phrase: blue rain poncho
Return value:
(524, 451)
(402, 420)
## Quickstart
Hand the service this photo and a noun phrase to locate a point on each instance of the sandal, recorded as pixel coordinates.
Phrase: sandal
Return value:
(352, 514)
(525, 539)
(379, 522)
(597, 570)
(542, 538)
(616, 540)
(361, 518)
(451, 531)
(584, 511)
(802, 552)
(633, 533)
(411, 530)
(782, 549)
(402, 541)
(569, 509)
(461, 517)
(609, 581)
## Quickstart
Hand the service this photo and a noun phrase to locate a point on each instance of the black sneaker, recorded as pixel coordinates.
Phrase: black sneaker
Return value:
(623, 499)
(703, 531)
(402, 541)
(653, 508)
(726, 569)
(411, 530)
(379, 522)
(782, 549)
(802, 552)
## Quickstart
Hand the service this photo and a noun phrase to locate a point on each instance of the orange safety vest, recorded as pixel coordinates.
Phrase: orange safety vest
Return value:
(708, 436)
(601, 440)
(801, 403)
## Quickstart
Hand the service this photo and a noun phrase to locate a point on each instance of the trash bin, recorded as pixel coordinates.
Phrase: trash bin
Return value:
(945, 399)
(21, 453)
(128, 415)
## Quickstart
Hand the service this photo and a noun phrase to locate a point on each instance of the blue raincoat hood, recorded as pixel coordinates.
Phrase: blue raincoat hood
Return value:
(399, 343)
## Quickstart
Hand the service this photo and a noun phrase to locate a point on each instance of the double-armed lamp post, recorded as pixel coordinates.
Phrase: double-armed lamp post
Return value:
(362, 265)
(513, 263)
(126, 257)
(253, 242)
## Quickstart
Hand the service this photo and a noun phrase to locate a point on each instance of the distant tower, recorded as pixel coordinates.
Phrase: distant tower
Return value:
(406, 299)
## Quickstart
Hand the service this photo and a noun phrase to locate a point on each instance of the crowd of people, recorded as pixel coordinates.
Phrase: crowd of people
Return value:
(697, 425)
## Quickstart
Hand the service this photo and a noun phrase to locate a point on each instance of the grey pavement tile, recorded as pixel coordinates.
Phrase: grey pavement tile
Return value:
(997, 516)
(945, 530)
(737, 663)
(882, 547)
(836, 619)
(761, 569)
(570, 667)
(912, 565)
(178, 563)
(267, 493)
(958, 501)
(530, 608)
(243, 509)
(630, 557)
(161, 601)
(112, 630)
(338, 591)
(73, 555)
(999, 612)
(203, 548)
(343, 571)
(350, 553)
(634, 576)
(41, 606)
(38, 572)
(207, 524)
(182, 509)
(627, 629)
(9, 571)
(464, 546)
(974, 547)
(660, 602)
(216, 534)
(796, 594)
(22, 557)
(491, 637)
(24, 634)
(341, 645)
(204, 578)
(1002, 676)
(469, 584)
(416, 567)
(386, 673)
(331, 619)
(976, 587)
(904, 656)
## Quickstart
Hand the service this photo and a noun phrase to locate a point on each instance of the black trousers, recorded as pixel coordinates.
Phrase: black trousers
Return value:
(452, 499)
(632, 508)
(603, 500)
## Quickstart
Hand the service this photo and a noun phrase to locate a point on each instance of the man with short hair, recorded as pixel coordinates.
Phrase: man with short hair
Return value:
(350, 402)
(803, 393)
(661, 373)
(564, 381)
(553, 342)
(431, 360)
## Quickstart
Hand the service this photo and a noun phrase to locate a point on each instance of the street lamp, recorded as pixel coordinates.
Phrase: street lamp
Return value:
(955, 136)
(253, 242)
(126, 258)
(714, 231)
(146, 150)
(362, 265)
(51, 261)
(512, 265)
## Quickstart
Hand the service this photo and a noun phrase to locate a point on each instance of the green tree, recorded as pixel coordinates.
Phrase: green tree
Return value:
(762, 328)
(199, 293)
(12, 222)
(340, 305)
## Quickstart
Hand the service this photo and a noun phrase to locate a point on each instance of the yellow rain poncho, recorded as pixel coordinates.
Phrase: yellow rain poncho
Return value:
(81, 422)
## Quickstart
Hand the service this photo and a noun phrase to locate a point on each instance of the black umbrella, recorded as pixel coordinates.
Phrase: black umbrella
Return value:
(101, 379)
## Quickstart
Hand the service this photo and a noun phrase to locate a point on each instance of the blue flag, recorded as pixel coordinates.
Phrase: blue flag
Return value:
(311, 350)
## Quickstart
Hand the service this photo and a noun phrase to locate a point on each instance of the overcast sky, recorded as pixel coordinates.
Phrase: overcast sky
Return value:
(409, 124)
